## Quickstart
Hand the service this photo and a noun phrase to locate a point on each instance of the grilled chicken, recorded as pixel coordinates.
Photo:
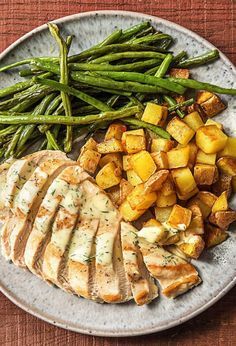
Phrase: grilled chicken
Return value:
(61, 226)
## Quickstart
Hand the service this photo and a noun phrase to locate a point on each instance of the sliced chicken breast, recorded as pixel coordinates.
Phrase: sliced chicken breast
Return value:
(143, 287)
(174, 274)
(3, 179)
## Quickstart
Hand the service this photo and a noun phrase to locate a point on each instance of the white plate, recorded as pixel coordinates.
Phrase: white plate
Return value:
(217, 267)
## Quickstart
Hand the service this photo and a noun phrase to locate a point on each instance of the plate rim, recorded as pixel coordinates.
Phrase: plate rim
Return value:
(84, 330)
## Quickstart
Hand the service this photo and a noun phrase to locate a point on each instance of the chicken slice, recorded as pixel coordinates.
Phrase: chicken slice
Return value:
(143, 287)
(81, 255)
(174, 274)
(42, 226)
(3, 178)
(28, 203)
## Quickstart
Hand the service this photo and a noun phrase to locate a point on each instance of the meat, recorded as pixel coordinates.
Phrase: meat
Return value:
(62, 227)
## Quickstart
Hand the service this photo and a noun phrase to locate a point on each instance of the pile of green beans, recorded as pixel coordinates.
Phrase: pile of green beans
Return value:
(66, 96)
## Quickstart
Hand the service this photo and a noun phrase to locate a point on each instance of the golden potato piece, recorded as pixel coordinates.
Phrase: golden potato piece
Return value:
(160, 159)
(229, 149)
(223, 219)
(165, 201)
(207, 197)
(213, 122)
(134, 141)
(156, 181)
(133, 177)
(209, 159)
(210, 139)
(89, 160)
(179, 73)
(111, 146)
(126, 162)
(162, 213)
(167, 188)
(204, 174)
(180, 131)
(155, 114)
(187, 196)
(143, 164)
(180, 217)
(210, 103)
(128, 213)
(227, 165)
(184, 180)
(139, 199)
(161, 144)
(115, 130)
(114, 194)
(196, 225)
(224, 183)
(193, 149)
(178, 157)
(221, 203)
(108, 176)
(125, 189)
(205, 209)
(192, 245)
(214, 235)
(112, 157)
(193, 120)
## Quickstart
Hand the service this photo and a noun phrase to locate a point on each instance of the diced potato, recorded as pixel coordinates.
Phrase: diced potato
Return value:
(224, 183)
(128, 213)
(134, 143)
(125, 189)
(223, 219)
(210, 139)
(180, 131)
(209, 159)
(193, 120)
(210, 103)
(193, 149)
(192, 245)
(114, 194)
(133, 177)
(205, 209)
(138, 132)
(89, 159)
(229, 149)
(195, 107)
(108, 176)
(90, 144)
(139, 199)
(160, 159)
(153, 231)
(214, 235)
(221, 203)
(207, 197)
(167, 187)
(186, 196)
(213, 122)
(165, 201)
(196, 225)
(234, 184)
(227, 165)
(173, 239)
(180, 217)
(178, 157)
(143, 164)
(112, 157)
(155, 114)
(183, 180)
(111, 146)
(156, 181)
(179, 72)
(115, 131)
(161, 144)
(204, 174)
(162, 213)
(126, 162)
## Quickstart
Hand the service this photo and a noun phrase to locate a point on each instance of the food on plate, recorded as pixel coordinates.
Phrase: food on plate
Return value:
(150, 187)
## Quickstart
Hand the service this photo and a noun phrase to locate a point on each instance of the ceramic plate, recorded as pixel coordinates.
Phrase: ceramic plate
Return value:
(217, 267)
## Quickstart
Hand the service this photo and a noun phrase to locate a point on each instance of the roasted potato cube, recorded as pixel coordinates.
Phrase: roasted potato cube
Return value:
(152, 231)
(213, 122)
(205, 209)
(108, 176)
(126, 162)
(125, 189)
(155, 114)
(186, 196)
(133, 177)
(114, 194)
(128, 213)
(180, 217)
(167, 188)
(165, 201)
(209, 159)
(214, 235)
(207, 197)
(178, 157)
(224, 183)
(90, 144)
(134, 143)
(210, 103)
(204, 174)
(143, 164)
(193, 149)
(180, 131)
(193, 120)
(139, 199)
(160, 159)
(192, 245)
(210, 139)
(227, 165)
(223, 219)
(161, 144)
(234, 184)
(183, 180)
(156, 181)
(221, 203)
(116, 131)
(229, 149)
(162, 213)
(111, 146)
(179, 73)
(196, 225)
(112, 157)
(89, 159)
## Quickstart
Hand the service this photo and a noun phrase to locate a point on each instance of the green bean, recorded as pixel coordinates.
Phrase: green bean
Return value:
(64, 79)
(27, 118)
(179, 57)
(53, 105)
(163, 68)
(165, 44)
(142, 78)
(172, 102)
(112, 38)
(133, 30)
(180, 105)
(107, 67)
(156, 129)
(52, 141)
(128, 55)
(15, 88)
(150, 38)
(194, 84)
(24, 62)
(8, 130)
(79, 94)
(13, 143)
(200, 60)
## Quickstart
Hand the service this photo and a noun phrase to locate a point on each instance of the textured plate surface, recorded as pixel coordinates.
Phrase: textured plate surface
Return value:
(217, 267)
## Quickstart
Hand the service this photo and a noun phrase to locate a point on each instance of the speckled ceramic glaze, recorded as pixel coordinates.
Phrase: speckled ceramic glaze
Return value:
(217, 267)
